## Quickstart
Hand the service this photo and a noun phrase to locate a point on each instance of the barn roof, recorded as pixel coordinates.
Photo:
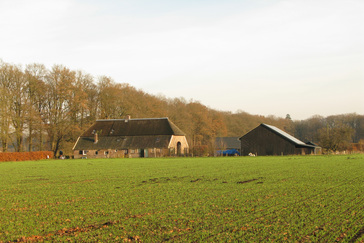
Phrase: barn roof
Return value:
(133, 127)
(283, 134)
(128, 134)
(121, 142)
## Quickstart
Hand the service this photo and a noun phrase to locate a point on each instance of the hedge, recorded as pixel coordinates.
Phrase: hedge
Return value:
(22, 156)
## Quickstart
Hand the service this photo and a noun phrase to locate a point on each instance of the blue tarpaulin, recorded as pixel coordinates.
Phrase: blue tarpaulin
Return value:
(229, 152)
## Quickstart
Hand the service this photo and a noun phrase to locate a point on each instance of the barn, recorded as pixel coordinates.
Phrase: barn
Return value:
(270, 140)
(148, 137)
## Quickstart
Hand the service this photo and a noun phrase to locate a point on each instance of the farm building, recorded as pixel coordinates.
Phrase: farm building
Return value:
(151, 137)
(270, 140)
(227, 146)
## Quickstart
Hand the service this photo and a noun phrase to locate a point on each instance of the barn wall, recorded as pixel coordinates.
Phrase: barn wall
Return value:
(172, 150)
(129, 153)
(262, 141)
(304, 151)
(109, 153)
(112, 153)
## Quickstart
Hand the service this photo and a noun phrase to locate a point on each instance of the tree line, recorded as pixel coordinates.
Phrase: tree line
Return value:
(47, 109)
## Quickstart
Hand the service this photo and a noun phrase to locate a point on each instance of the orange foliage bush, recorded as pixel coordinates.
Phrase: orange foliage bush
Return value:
(22, 156)
(201, 150)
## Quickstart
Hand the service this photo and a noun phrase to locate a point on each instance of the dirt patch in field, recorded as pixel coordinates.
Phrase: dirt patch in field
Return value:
(195, 180)
(243, 182)
(63, 232)
(251, 180)
(163, 180)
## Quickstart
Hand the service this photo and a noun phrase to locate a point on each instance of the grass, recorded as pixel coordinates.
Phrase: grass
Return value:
(253, 199)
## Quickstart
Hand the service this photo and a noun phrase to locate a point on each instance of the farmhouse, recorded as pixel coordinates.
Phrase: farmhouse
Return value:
(270, 140)
(150, 137)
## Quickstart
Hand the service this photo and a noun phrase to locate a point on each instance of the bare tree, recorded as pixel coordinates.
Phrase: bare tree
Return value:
(84, 100)
(35, 87)
(60, 83)
(5, 102)
(110, 99)
(13, 105)
(336, 137)
(18, 105)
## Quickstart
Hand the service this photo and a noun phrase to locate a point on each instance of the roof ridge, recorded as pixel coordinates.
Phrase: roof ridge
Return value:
(134, 119)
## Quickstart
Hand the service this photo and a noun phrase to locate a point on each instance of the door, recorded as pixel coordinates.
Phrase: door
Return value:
(179, 149)
(143, 153)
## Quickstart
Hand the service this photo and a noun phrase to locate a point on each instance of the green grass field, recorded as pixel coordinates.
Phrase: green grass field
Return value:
(246, 199)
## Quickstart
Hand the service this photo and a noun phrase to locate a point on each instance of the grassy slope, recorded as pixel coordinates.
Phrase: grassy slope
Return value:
(305, 198)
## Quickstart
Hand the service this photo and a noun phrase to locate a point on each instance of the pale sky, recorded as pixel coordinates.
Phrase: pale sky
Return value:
(301, 57)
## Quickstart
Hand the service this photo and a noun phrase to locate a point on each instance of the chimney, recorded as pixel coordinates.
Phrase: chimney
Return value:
(127, 118)
(96, 137)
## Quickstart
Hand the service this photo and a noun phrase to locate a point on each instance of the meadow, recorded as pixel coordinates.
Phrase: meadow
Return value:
(245, 199)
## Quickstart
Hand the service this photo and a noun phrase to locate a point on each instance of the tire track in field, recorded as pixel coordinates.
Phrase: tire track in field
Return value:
(357, 235)
(191, 231)
(317, 229)
(293, 201)
(63, 232)
(289, 203)
(342, 213)
(90, 227)
(345, 212)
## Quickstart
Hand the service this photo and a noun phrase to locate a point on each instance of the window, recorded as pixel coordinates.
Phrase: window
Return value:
(80, 152)
(106, 152)
(96, 152)
(84, 152)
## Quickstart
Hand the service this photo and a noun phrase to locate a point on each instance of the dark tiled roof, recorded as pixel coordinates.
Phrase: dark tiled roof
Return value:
(121, 142)
(133, 127)
(128, 134)
(228, 142)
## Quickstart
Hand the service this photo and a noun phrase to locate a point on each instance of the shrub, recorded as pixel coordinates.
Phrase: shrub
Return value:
(22, 156)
